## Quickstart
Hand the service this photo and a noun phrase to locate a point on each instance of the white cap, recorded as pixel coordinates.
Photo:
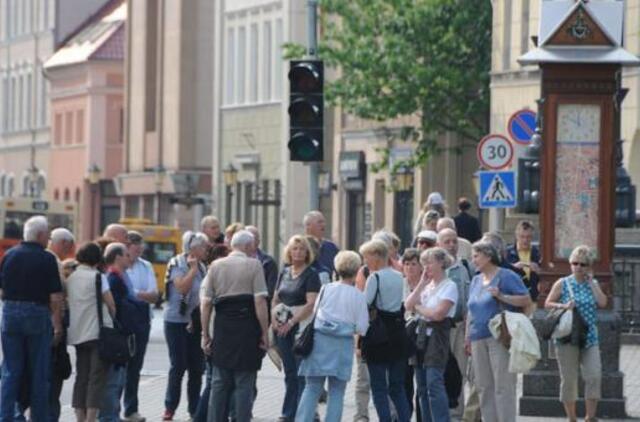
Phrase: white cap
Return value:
(429, 235)
(435, 198)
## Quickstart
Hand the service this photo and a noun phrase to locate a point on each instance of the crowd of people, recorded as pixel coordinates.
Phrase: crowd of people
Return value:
(418, 326)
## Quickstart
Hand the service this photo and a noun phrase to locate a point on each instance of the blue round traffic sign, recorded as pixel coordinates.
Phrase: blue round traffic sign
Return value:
(522, 126)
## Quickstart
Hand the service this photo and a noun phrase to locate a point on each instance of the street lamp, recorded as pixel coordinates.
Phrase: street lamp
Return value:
(159, 174)
(403, 180)
(93, 177)
(230, 176)
(34, 176)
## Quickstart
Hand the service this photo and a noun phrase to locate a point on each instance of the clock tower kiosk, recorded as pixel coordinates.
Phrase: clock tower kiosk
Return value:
(580, 55)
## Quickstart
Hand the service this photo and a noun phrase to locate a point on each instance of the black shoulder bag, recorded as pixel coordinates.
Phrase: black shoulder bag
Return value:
(377, 333)
(114, 346)
(304, 344)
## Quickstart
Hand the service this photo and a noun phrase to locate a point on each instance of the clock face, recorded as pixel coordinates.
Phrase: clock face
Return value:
(578, 123)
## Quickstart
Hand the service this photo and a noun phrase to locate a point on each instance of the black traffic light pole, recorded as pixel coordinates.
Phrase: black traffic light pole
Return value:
(312, 48)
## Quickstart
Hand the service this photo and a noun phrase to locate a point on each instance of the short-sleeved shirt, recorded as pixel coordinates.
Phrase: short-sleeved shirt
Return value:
(483, 306)
(292, 291)
(327, 253)
(142, 277)
(29, 273)
(236, 274)
(83, 308)
(391, 294)
(585, 303)
(179, 268)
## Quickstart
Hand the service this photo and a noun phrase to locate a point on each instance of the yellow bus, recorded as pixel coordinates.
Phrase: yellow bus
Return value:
(161, 243)
(14, 212)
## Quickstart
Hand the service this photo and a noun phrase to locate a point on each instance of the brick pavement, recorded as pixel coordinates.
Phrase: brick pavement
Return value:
(271, 390)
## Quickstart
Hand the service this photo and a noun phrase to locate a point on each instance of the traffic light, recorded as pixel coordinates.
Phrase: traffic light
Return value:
(306, 110)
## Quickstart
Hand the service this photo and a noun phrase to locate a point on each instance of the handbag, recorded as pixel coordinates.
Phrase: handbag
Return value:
(505, 336)
(377, 332)
(304, 343)
(564, 325)
(114, 346)
(548, 326)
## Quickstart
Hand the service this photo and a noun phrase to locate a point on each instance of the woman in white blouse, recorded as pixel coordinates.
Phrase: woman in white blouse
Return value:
(434, 300)
(341, 312)
(84, 330)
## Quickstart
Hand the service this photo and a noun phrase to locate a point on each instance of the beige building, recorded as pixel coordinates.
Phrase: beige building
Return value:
(169, 98)
(30, 31)
(514, 87)
(251, 120)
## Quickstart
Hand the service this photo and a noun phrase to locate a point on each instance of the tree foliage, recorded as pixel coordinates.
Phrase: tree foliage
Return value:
(428, 58)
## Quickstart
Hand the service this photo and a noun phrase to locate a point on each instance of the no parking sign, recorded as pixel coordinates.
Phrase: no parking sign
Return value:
(522, 126)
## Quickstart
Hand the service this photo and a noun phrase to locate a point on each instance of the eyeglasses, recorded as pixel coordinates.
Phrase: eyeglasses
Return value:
(580, 264)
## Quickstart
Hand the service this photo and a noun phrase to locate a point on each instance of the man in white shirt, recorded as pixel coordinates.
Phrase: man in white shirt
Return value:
(145, 288)
(460, 273)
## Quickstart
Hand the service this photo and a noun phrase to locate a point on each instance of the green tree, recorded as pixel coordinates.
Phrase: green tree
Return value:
(429, 58)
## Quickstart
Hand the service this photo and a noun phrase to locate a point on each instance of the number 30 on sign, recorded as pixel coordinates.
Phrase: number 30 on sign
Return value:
(495, 152)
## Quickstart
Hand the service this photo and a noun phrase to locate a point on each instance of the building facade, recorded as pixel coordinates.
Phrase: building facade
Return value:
(86, 76)
(251, 121)
(30, 32)
(166, 174)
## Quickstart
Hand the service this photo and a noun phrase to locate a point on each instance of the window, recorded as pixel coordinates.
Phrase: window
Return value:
(10, 186)
(506, 35)
(253, 64)
(277, 94)
(267, 61)
(524, 41)
(44, 103)
(19, 105)
(2, 183)
(29, 93)
(79, 126)
(77, 195)
(5, 104)
(27, 15)
(56, 194)
(242, 60)
(68, 127)
(230, 66)
(57, 129)
(11, 110)
(67, 195)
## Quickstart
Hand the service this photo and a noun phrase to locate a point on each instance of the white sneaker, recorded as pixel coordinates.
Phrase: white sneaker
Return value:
(135, 417)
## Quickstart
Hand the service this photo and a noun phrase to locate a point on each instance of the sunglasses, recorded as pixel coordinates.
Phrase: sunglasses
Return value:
(580, 264)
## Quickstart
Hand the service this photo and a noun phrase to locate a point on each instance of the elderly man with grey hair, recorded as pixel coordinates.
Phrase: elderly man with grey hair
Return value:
(61, 245)
(269, 265)
(235, 284)
(32, 295)
(315, 225)
(464, 246)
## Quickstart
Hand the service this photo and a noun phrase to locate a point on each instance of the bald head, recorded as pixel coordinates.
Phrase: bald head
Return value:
(448, 240)
(445, 223)
(117, 232)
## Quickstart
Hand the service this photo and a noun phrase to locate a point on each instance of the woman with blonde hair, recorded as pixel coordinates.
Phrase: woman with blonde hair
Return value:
(579, 293)
(295, 296)
(341, 312)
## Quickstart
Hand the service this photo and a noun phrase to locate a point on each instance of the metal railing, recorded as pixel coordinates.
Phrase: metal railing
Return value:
(626, 287)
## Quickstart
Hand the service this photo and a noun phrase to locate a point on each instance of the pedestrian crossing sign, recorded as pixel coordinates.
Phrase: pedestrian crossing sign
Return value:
(497, 189)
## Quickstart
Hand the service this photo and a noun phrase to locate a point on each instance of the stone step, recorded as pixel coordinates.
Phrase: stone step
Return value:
(552, 407)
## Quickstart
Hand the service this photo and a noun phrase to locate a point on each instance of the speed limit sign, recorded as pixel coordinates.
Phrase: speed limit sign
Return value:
(495, 152)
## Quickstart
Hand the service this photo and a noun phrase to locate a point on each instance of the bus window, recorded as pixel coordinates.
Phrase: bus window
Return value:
(14, 222)
(159, 252)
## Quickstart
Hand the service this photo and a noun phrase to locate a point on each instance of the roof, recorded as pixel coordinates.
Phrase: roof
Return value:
(102, 39)
(607, 15)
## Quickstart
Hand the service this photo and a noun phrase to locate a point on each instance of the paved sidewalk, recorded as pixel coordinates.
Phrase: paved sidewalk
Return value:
(271, 391)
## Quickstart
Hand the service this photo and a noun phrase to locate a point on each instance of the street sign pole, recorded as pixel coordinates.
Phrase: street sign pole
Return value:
(312, 48)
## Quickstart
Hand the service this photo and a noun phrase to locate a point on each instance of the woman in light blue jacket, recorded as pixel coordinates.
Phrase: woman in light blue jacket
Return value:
(341, 312)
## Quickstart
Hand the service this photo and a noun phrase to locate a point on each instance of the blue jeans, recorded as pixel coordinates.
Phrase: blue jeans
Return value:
(227, 384)
(387, 381)
(26, 343)
(110, 410)
(311, 394)
(434, 402)
(203, 403)
(134, 366)
(185, 354)
(293, 383)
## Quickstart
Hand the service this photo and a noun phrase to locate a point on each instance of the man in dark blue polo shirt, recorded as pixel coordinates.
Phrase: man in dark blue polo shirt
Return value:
(315, 225)
(32, 295)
